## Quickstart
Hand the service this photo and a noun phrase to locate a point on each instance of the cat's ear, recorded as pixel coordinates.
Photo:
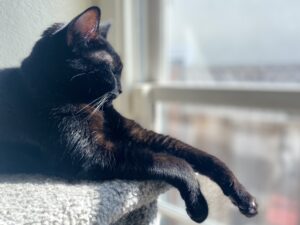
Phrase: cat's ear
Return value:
(104, 28)
(84, 27)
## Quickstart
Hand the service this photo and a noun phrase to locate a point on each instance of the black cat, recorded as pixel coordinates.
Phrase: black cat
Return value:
(57, 118)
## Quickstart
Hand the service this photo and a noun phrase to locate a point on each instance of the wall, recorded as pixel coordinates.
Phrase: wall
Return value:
(22, 22)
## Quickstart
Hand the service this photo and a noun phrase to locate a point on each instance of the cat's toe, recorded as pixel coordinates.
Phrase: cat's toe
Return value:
(197, 216)
(250, 209)
(198, 211)
(243, 200)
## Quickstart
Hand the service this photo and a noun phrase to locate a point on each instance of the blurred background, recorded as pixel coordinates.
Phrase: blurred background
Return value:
(222, 76)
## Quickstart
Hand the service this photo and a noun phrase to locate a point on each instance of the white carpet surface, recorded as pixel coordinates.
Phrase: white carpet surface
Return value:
(39, 200)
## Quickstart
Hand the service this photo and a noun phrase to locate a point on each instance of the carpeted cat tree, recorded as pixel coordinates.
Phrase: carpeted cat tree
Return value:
(39, 200)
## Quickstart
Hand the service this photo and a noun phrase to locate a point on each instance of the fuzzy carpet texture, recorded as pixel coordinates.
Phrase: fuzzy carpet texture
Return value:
(39, 200)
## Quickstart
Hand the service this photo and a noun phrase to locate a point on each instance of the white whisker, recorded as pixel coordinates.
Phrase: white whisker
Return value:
(100, 104)
(92, 103)
(77, 75)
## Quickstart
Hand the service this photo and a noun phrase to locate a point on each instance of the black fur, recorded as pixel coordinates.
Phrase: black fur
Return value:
(56, 118)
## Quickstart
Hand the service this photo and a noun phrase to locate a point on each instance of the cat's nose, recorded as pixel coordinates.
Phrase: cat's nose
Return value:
(119, 88)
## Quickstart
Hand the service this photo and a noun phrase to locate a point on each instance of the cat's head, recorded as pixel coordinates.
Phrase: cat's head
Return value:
(74, 62)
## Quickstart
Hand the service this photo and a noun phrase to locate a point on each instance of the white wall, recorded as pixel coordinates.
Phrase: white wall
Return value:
(23, 21)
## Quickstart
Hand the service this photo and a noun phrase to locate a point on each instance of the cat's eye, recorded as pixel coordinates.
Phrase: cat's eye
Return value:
(116, 72)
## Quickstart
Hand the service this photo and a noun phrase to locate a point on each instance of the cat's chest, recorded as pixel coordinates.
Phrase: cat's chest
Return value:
(82, 125)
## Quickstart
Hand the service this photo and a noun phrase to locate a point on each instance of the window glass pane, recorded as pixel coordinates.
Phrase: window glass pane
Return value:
(261, 147)
(233, 41)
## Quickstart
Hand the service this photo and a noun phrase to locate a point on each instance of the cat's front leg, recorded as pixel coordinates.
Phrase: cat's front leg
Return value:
(201, 161)
(210, 166)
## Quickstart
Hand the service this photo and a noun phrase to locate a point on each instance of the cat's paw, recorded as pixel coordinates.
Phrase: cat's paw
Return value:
(245, 202)
(249, 208)
(198, 211)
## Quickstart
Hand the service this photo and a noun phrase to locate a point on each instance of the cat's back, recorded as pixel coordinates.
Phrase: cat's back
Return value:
(9, 74)
(12, 98)
(11, 88)
(10, 82)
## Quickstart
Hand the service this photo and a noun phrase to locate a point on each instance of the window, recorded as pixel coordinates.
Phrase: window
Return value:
(222, 76)
(260, 146)
(237, 42)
